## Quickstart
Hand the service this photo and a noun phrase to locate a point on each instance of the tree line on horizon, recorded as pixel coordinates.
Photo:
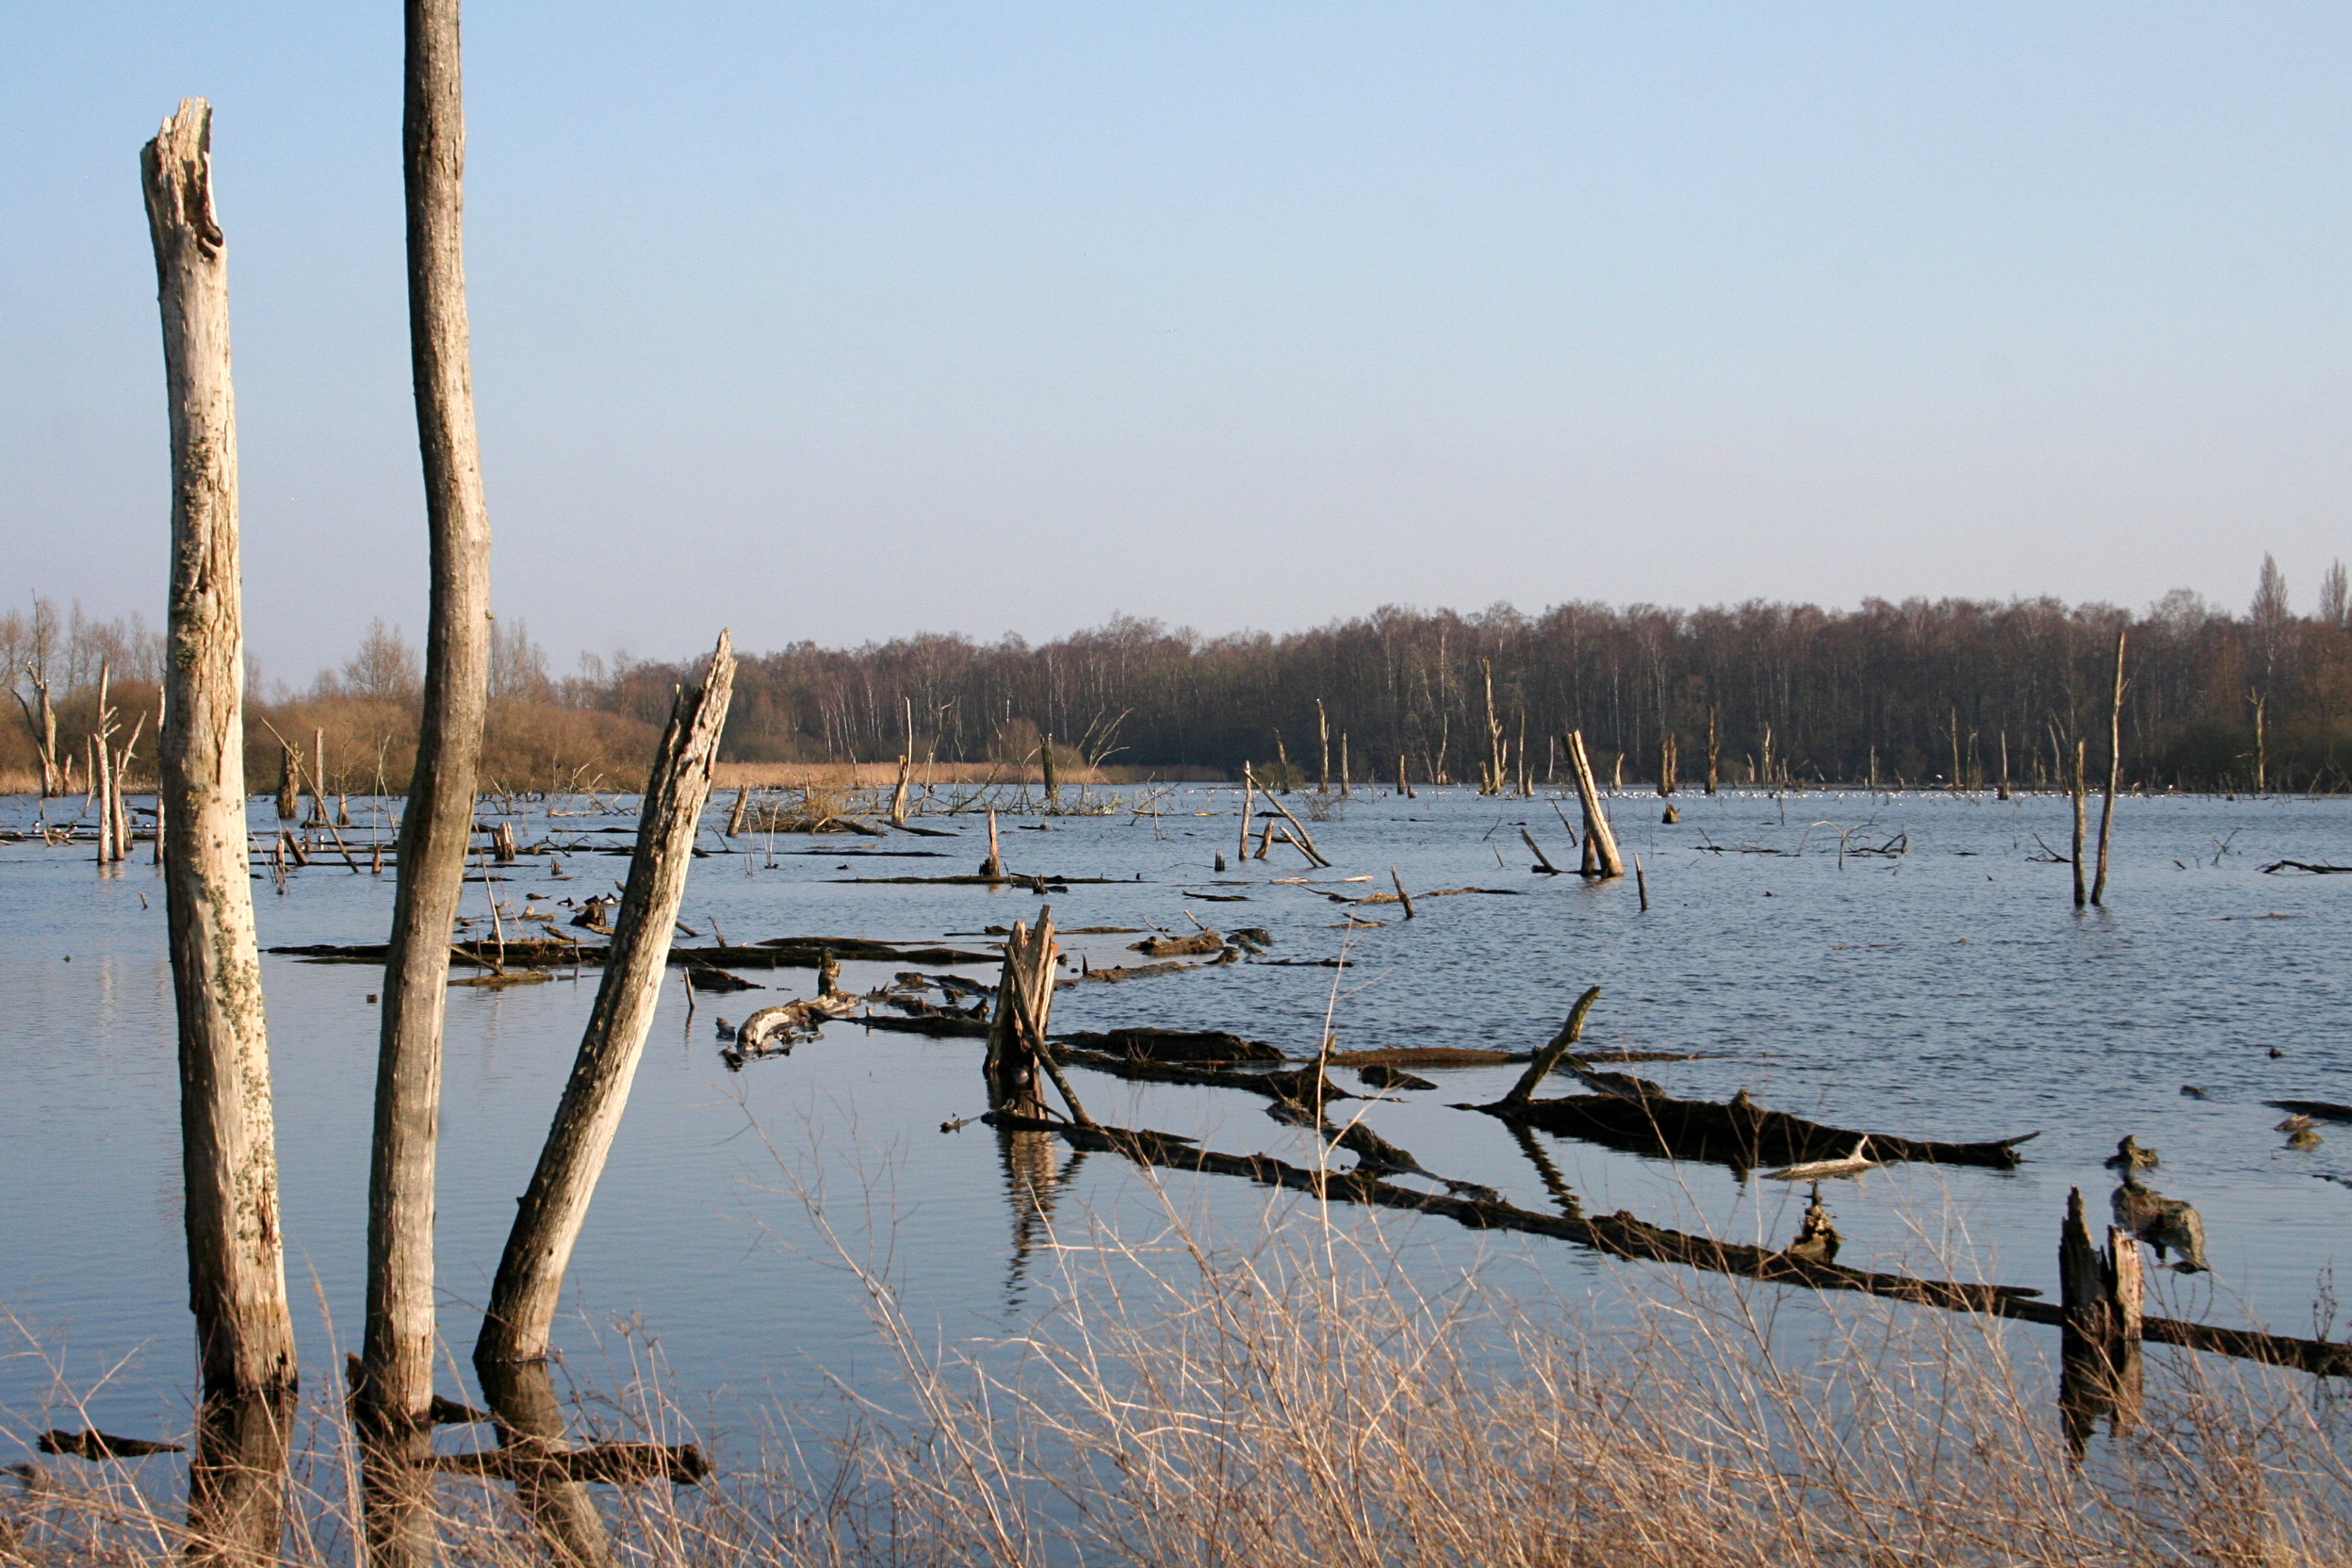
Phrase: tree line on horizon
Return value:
(1917, 694)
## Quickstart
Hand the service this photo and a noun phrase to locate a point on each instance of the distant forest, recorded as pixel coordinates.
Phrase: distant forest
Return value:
(1917, 694)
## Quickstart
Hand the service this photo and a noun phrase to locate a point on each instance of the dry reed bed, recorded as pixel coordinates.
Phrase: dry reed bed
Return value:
(1305, 1404)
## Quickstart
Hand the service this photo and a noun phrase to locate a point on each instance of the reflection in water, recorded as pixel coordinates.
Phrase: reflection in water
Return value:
(532, 1422)
(1032, 1184)
(237, 1483)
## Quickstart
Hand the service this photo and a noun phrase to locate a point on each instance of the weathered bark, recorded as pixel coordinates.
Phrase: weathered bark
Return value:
(510, 1353)
(44, 725)
(102, 770)
(235, 1261)
(1601, 859)
(1016, 1056)
(539, 1246)
(395, 1395)
(2115, 776)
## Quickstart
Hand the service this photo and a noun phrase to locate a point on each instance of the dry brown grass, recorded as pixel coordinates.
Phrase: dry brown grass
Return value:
(1305, 1405)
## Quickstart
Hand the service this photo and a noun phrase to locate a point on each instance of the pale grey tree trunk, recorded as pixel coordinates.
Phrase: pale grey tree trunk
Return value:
(395, 1389)
(509, 1357)
(236, 1258)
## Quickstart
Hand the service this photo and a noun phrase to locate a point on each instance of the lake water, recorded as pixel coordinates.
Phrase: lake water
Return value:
(1951, 992)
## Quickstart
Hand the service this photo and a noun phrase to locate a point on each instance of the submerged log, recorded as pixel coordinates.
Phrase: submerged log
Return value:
(1198, 1046)
(1179, 947)
(99, 1446)
(1740, 1133)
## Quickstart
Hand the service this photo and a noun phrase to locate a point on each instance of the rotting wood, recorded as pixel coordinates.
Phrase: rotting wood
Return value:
(1739, 1133)
(1623, 1235)
(236, 1258)
(1024, 994)
(395, 1395)
(1402, 897)
(1560, 1045)
(94, 1445)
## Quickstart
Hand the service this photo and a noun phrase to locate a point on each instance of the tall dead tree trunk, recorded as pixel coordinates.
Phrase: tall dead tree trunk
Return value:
(396, 1390)
(236, 1261)
(2080, 898)
(2115, 776)
(1710, 749)
(43, 724)
(515, 1329)
(1601, 859)
(1494, 735)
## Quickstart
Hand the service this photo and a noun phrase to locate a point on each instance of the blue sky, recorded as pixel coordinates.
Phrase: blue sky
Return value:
(842, 322)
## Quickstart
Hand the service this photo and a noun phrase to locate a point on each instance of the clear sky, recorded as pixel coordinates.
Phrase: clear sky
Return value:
(840, 323)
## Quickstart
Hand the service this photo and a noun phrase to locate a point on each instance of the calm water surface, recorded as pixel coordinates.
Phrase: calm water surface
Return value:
(1951, 992)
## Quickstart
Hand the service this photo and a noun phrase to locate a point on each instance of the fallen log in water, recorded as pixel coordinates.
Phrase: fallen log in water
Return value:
(1449, 1056)
(1198, 1047)
(2323, 1110)
(1138, 971)
(1302, 1086)
(1741, 1133)
(608, 1464)
(1623, 1235)
(98, 1445)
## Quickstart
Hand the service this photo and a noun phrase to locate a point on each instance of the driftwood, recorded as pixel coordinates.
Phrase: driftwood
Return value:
(607, 1463)
(1623, 1235)
(1180, 947)
(1139, 971)
(100, 1445)
(2323, 1110)
(1197, 1046)
(1302, 1086)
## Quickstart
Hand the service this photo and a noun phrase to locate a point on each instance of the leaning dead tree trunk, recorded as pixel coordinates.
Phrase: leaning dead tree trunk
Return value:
(515, 1332)
(1601, 859)
(435, 829)
(2114, 775)
(236, 1264)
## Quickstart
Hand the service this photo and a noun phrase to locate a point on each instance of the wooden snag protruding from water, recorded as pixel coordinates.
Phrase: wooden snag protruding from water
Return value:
(1402, 897)
(2081, 895)
(236, 1268)
(1601, 859)
(1542, 861)
(2114, 774)
(2102, 1294)
(742, 799)
(437, 827)
(994, 864)
(1562, 1044)
(510, 1357)
(1017, 1055)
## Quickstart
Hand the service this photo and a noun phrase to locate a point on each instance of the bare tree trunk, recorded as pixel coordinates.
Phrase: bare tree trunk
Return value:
(435, 829)
(45, 727)
(2114, 775)
(236, 1261)
(529, 1282)
(538, 1248)
(1017, 1057)
(1323, 735)
(1494, 735)
(2080, 899)
(1710, 749)
(102, 771)
(1601, 859)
